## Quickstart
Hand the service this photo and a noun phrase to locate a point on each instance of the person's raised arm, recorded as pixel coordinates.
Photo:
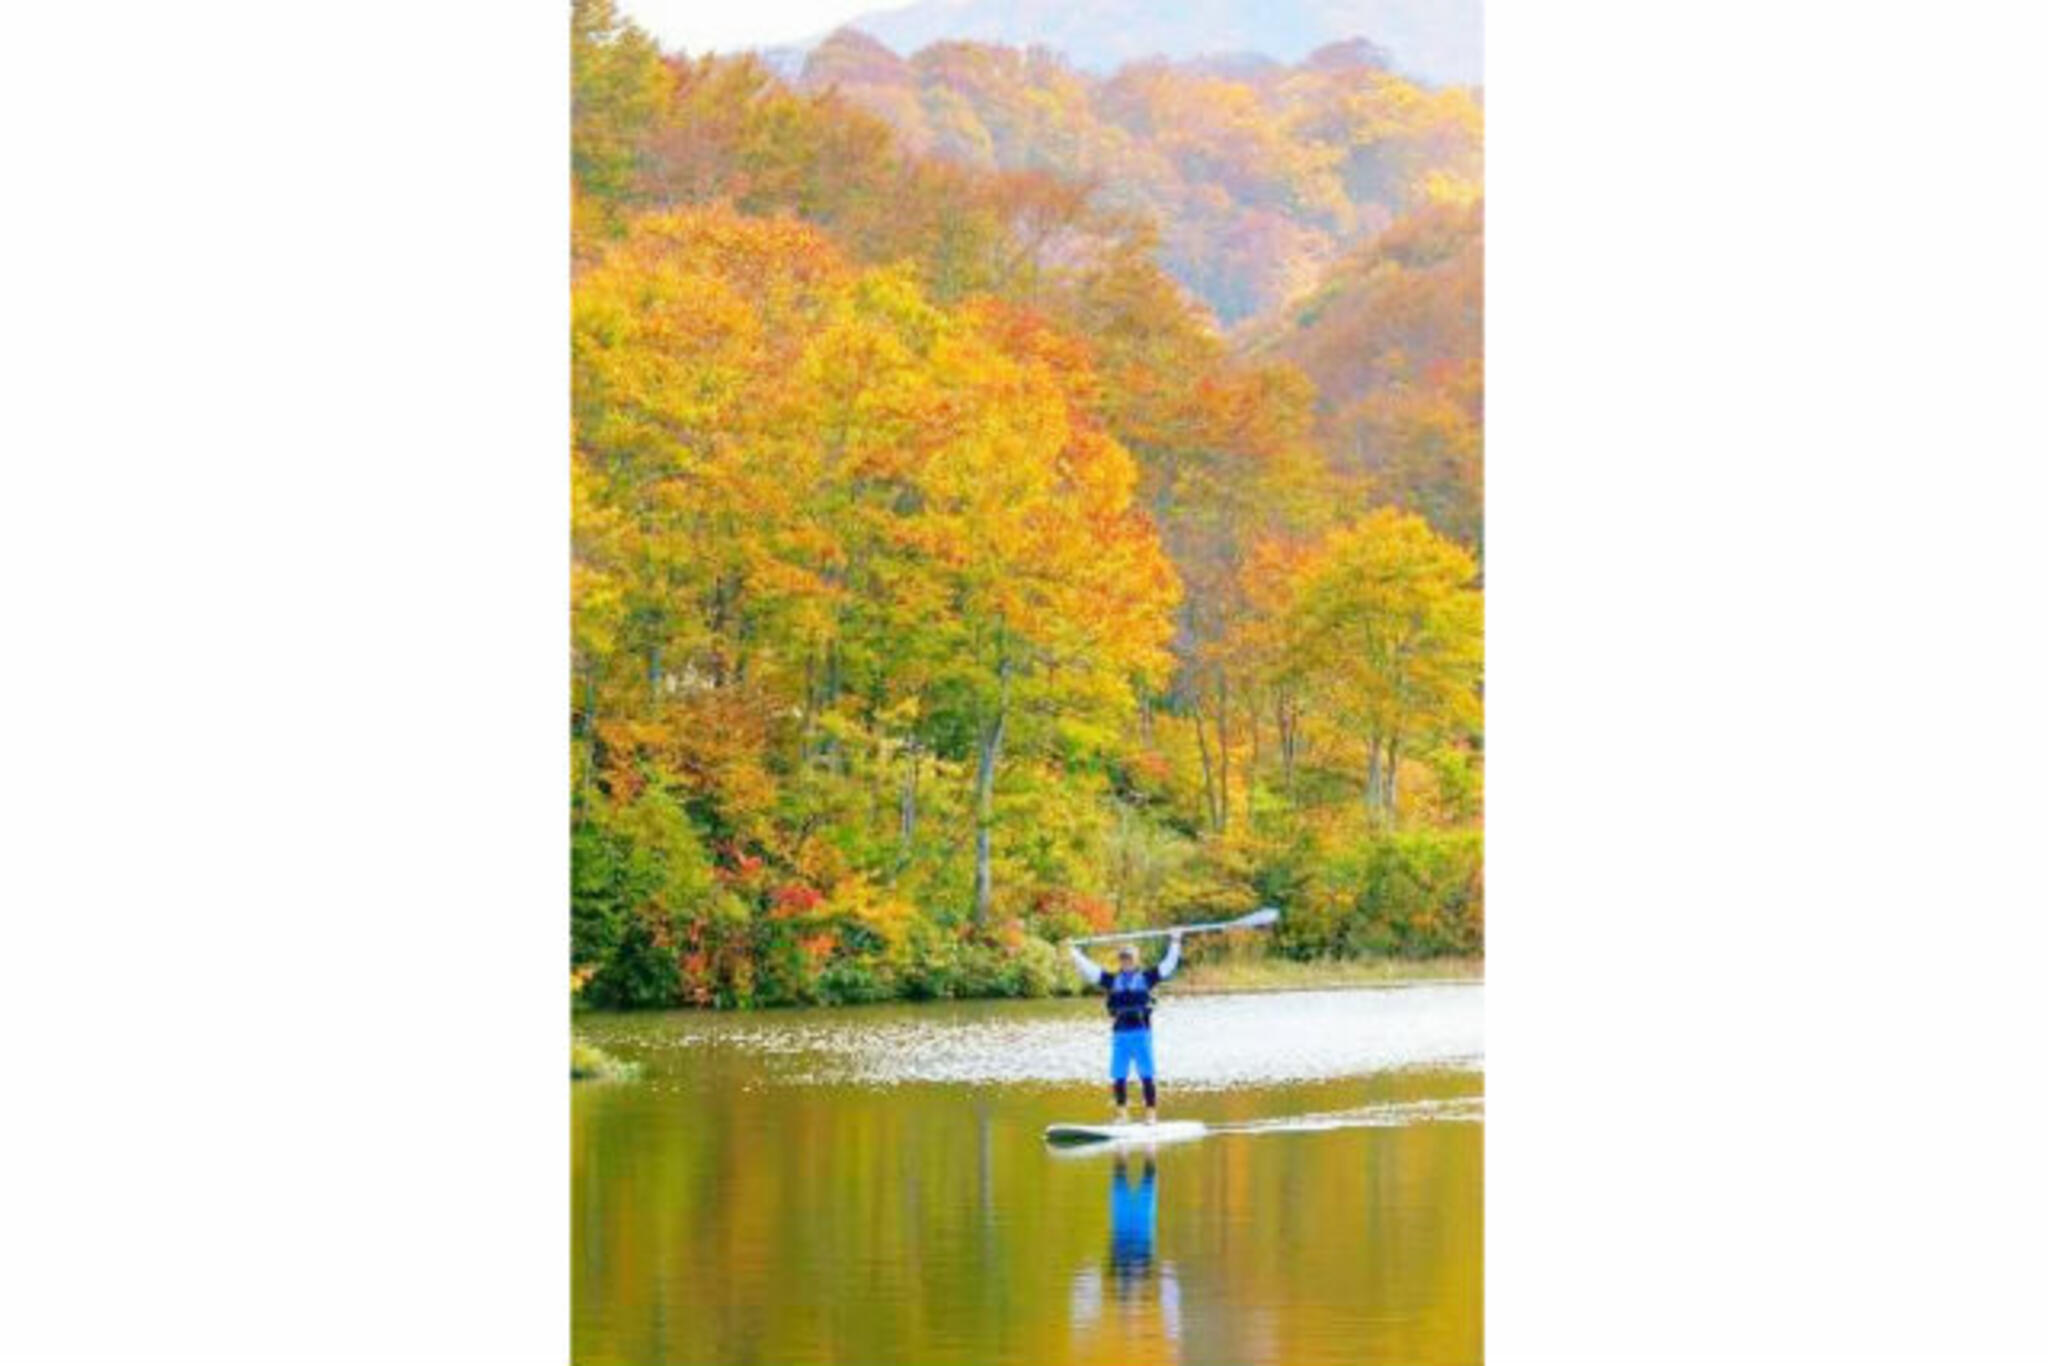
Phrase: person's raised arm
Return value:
(1172, 959)
(1090, 973)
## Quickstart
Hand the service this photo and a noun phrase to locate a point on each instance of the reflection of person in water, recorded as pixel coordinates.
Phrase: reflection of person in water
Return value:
(1134, 1277)
(1133, 1222)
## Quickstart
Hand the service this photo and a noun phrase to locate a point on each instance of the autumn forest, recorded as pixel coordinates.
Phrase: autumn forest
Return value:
(1010, 502)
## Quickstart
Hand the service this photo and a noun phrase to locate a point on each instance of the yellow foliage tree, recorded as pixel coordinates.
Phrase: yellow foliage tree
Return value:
(1385, 617)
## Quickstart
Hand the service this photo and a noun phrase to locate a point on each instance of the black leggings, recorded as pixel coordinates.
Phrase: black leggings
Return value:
(1121, 1087)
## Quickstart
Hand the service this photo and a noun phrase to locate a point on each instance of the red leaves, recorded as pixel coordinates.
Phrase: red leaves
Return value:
(794, 900)
(1063, 911)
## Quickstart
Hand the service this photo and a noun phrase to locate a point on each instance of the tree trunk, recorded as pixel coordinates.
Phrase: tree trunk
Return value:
(875, 770)
(1372, 778)
(1222, 751)
(1393, 772)
(828, 696)
(1251, 777)
(1285, 723)
(1208, 776)
(906, 819)
(588, 727)
(985, 794)
(720, 602)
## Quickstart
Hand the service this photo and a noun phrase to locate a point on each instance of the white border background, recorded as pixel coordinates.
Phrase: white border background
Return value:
(283, 566)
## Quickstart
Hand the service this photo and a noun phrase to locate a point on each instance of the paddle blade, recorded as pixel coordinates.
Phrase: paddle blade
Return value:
(1258, 919)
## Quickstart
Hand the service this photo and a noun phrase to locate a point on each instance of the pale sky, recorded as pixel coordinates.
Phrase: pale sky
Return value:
(706, 25)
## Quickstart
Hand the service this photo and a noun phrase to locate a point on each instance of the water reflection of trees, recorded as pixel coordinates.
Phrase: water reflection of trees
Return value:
(720, 1220)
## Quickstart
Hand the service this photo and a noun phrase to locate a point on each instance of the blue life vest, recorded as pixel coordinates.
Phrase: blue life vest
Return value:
(1130, 999)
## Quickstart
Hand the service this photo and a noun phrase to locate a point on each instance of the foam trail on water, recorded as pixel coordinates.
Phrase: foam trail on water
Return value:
(1385, 1115)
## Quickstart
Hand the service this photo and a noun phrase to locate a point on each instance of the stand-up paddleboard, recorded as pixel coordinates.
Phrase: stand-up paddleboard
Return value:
(1119, 1135)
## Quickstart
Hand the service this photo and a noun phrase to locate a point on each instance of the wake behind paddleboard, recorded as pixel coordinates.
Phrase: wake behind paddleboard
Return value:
(1119, 1135)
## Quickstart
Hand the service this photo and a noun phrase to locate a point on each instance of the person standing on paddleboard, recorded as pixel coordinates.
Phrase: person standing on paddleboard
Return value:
(1130, 1013)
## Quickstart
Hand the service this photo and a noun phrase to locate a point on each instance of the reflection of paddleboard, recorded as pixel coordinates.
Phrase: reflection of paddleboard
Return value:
(1083, 1135)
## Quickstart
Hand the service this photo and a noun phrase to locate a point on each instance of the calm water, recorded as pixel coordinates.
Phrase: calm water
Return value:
(869, 1187)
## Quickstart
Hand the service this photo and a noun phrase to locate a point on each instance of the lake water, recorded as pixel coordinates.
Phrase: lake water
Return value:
(870, 1187)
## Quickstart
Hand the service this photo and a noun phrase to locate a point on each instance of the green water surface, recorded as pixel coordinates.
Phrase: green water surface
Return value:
(870, 1187)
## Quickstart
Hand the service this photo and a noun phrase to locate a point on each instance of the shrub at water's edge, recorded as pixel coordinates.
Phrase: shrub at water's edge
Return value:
(1384, 908)
(588, 1062)
(1414, 895)
(1245, 974)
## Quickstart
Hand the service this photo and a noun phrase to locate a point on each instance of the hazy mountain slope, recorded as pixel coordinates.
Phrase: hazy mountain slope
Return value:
(1432, 40)
(1257, 174)
(1392, 338)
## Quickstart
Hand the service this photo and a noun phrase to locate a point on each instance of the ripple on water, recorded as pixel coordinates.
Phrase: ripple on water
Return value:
(1393, 1114)
(1205, 1042)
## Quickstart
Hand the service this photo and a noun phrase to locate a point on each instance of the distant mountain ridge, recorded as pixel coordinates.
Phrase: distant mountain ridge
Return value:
(1258, 174)
(1435, 41)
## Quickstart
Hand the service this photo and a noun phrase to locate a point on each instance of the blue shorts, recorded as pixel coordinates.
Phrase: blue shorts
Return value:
(1130, 1048)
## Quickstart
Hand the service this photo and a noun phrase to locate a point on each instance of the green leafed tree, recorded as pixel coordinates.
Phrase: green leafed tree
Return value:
(1386, 616)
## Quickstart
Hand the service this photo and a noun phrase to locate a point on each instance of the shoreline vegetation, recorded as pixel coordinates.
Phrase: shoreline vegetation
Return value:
(1282, 974)
(1227, 976)
(1009, 505)
(588, 1062)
